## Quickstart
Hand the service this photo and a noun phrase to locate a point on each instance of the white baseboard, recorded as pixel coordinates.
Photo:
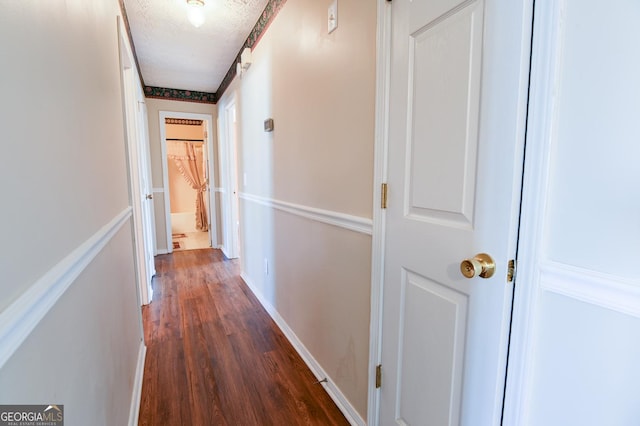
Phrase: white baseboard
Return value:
(134, 410)
(224, 251)
(334, 392)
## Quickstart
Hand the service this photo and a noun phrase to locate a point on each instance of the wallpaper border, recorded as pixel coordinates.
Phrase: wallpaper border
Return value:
(268, 14)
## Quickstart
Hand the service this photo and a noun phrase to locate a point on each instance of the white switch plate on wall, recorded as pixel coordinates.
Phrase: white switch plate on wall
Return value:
(332, 17)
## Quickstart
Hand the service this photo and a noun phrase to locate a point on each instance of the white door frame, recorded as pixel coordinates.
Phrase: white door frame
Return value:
(207, 118)
(227, 147)
(147, 214)
(538, 271)
(383, 40)
(536, 183)
(143, 122)
(131, 87)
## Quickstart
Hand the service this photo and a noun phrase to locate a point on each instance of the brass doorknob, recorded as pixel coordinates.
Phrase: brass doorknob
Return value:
(482, 265)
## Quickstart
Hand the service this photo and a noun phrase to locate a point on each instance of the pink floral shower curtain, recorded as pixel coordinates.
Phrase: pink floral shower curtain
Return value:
(185, 155)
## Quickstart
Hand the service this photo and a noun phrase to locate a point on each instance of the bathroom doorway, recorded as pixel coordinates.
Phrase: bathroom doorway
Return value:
(187, 151)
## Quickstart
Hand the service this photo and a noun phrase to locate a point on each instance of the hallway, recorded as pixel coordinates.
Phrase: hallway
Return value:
(215, 357)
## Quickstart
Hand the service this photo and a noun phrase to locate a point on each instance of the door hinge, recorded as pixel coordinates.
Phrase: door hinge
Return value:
(511, 270)
(378, 376)
(383, 196)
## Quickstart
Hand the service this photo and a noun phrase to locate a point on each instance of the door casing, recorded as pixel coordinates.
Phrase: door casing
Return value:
(207, 118)
(227, 148)
(566, 307)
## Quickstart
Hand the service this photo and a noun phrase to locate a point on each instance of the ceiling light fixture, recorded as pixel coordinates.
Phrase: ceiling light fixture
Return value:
(195, 12)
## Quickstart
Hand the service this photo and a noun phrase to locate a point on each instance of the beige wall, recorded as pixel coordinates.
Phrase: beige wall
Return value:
(181, 196)
(154, 106)
(62, 181)
(319, 88)
(182, 131)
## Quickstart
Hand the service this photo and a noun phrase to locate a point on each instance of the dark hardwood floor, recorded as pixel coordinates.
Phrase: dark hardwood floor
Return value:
(215, 357)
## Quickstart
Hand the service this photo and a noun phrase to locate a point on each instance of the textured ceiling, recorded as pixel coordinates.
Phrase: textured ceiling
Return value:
(174, 54)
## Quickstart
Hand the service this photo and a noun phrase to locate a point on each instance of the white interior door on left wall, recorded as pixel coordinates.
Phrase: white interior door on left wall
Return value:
(139, 180)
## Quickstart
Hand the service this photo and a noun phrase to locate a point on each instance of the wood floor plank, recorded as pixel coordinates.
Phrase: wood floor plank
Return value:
(215, 357)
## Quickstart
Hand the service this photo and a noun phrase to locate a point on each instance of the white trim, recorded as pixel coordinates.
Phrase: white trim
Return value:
(604, 290)
(334, 392)
(219, 189)
(526, 18)
(544, 69)
(165, 180)
(342, 220)
(132, 93)
(162, 191)
(136, 396)
(383, 63)
(23, 315)
(228, 140)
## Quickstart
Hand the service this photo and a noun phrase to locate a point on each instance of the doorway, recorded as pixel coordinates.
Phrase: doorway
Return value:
(188, 166)
(228, 128)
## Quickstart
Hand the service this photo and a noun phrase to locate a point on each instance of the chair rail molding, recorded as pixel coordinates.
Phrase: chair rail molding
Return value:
(25, 313)
(342, 220)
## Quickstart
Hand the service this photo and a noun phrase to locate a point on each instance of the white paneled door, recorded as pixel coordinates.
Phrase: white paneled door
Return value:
(458, 94)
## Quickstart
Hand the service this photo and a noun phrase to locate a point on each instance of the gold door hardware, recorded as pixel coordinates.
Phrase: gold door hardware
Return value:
(378, 376)
(482, 264)
(383, 196)
(511, 270)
